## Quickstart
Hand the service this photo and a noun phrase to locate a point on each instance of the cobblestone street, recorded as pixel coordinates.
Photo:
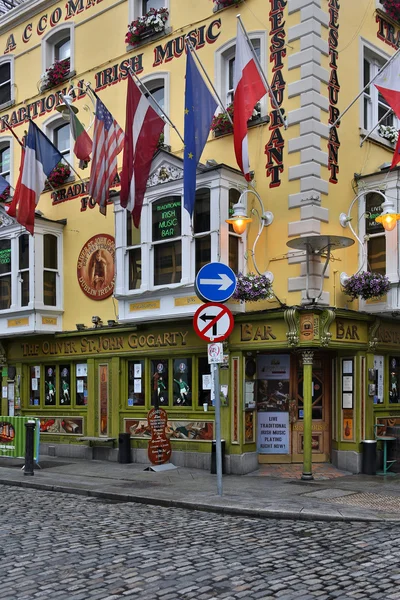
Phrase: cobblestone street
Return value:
(64, 547)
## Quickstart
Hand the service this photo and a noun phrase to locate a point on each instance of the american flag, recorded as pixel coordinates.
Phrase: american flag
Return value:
(108, 141)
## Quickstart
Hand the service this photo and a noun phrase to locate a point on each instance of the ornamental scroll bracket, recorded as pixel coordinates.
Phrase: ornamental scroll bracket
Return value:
(327, 318)
(292, 321)
(373, 335)
(164, 174)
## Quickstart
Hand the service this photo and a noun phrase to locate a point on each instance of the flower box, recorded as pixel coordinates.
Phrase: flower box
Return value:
(221, 125)
(252, 288)
(56, 74)
(388, 132)
(366, 285)
(59, 175)
(145, 27)
(392, 8)
(5, 195)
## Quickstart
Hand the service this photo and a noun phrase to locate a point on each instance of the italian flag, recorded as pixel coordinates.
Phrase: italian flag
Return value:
(83, 143)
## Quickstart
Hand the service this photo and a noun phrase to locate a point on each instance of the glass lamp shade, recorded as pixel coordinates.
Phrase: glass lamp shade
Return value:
(239, 224)
(388, 220)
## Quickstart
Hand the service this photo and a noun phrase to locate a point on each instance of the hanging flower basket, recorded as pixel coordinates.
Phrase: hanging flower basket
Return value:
(5, 195)
(251, 288)
(59, 175)
(221, 124)
(392, 8)
(55, 74)
(389, 133)
(152, 22)
(366, 285)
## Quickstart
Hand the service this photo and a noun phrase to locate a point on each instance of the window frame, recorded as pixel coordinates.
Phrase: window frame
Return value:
(8, 142)
(54, 37)
(135, 10)
(152, 81)
(50, 126)
(9, 58)
(376, 59)
(225, 54)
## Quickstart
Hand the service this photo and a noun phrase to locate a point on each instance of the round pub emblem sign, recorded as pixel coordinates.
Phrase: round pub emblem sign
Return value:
(95, 269)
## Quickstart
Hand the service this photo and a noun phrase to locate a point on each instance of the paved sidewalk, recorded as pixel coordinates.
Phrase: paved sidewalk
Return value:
(269, 492)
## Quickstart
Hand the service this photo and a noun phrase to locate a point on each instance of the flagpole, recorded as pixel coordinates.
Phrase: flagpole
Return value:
(387, 113)
(270, 91)
(13, 133)
(363, 90)
(193, 50)
(142, 85)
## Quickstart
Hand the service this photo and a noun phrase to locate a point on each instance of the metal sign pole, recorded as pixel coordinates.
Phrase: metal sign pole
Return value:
(217, 400)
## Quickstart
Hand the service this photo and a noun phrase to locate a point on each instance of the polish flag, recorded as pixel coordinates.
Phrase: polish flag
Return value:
(249, 88)
(142, 132)
(388, 84)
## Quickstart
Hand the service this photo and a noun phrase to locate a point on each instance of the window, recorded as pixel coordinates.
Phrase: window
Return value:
(202, 228)
(23, 268)
(138, 8)
(234, 238)
(225, 67)
(50, 270)
(5, 162)
(5, 274)
(6, 80)
(394, 380)
(376, 245)
(61, 139)
(159, 89)
(166, 238)
(134, 255)
(50, 397)
(58, 44)
(62, 385)
(148, 4)
(136, 383)
(374, 104)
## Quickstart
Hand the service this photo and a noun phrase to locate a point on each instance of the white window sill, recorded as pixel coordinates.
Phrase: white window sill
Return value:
(375, 138)
(6, 105)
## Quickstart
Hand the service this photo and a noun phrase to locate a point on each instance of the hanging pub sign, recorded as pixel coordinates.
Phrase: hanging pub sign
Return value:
(95, 268)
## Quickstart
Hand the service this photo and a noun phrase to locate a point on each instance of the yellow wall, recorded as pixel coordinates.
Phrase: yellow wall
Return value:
(99, 42)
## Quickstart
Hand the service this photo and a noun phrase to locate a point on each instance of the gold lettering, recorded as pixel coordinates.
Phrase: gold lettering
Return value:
(339, 330)
(150, 340)
(183, 336)
(246, 332)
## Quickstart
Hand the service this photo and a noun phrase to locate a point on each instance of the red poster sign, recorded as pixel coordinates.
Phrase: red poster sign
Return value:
(159, 450)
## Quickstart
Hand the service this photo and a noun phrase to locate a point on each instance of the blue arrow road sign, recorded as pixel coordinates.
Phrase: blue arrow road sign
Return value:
(215, 282)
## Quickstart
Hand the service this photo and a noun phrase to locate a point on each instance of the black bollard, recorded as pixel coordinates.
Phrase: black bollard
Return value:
(29, 442)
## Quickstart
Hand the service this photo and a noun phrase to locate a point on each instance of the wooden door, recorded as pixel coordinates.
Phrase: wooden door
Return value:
(321, 410)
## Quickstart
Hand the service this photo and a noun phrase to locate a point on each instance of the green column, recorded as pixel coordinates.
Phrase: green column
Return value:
(307, 356)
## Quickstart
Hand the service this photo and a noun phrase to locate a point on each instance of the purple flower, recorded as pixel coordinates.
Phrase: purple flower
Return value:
(251, 288)
(367, 285)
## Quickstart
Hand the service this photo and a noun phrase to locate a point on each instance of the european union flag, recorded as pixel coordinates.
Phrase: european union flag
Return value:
(200, 107)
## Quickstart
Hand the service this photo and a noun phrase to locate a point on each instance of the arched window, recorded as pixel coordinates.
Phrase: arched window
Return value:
(6, 80)
(58, 44)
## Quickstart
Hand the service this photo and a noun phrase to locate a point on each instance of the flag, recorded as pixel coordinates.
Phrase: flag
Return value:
(143, 128)
(396, 155)
(249, 88)
(388, 84)
(83, 143)
(200, 107)
(41, 156)
(108, 141)
(12, 207)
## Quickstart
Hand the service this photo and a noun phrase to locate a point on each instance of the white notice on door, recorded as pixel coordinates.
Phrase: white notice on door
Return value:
(273, 432)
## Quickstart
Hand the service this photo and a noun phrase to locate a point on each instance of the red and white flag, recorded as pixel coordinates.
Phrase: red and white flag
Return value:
(108, 141)
(249, 88)
(142, 132)
(388, 84)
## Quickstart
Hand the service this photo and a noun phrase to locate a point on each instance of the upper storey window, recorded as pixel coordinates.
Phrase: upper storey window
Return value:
(6, 81)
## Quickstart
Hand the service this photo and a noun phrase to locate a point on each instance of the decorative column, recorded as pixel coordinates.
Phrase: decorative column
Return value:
(307, 356)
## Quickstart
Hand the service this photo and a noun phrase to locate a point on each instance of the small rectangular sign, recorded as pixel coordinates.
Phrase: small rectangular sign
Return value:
(215, 353)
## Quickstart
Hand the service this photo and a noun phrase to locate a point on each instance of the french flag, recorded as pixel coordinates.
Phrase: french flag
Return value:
(39, 159)
(249, 88)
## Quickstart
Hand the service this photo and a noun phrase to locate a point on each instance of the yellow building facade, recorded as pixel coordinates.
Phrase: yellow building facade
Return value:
(96, 316)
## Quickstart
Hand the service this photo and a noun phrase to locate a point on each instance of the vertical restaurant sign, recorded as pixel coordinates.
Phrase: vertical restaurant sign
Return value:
(103, 399)
(275, 145)
(273, 432)
(95, 267)
(333, 91)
